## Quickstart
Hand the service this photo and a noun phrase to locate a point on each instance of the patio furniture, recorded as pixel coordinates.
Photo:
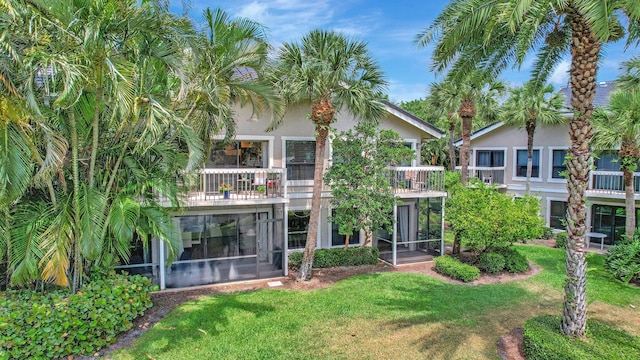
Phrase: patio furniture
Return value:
(596, 235)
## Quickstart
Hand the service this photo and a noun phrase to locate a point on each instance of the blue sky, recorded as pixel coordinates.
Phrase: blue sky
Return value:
(389, 28)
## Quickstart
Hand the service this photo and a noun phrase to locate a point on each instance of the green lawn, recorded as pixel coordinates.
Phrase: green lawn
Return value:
(380, 316)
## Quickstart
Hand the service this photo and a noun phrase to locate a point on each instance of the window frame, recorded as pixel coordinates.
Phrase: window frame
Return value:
(550, 172)
(284, 140)
(253, 138)
(515, 177)
(477, 149)
(548, 211)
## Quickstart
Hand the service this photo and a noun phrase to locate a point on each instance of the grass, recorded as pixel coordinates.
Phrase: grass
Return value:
(386, 315)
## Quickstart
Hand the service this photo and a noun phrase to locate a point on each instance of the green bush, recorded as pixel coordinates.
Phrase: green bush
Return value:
(543, 340)
(492, 262)
(515, 262)
(454, 268)
(623, 261)
(561, 240)
(58, 324)
(325, 258)
(547, 233)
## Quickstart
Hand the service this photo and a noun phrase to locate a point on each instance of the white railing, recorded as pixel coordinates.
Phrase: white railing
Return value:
(611, 182)
(408, 179)
(488, 175)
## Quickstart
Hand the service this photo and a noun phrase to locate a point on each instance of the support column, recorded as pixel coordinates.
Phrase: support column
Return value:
(393, 236)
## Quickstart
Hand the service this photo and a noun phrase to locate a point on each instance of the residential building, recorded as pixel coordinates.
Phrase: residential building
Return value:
(250, 205)
(499, 156)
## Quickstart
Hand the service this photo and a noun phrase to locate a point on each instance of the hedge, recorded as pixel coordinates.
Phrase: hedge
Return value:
(543, 340)
(491, 262)
(58, 324)
(515, 262)
(561, 240)
(325, 258)
(454, 268)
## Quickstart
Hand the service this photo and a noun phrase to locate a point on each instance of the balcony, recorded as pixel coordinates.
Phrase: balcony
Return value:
(488, 175)
(412, 181)
(213, 187)
(610, 183)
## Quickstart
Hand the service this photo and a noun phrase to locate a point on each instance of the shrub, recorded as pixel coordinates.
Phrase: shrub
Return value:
(515, 262)
(543, 340)
(58, 324)
(561, 240)
(623, 261)
(492, 262)
(454, 268)
(325, 258)
(547, 233)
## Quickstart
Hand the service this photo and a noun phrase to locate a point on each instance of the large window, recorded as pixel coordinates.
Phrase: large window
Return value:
(298, 228)
(301, 158)
(557, 164)
(490, 158)
(607, 161)
(338, 240)
(557, 214)
(238, 154)
(521, 163)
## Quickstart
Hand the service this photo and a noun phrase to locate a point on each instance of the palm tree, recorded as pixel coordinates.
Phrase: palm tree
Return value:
(228, 59)
(527, 107)
(474, 34)
(618, 127)
(331, 72)
(476, 93)
(442, 100)
(631, 77)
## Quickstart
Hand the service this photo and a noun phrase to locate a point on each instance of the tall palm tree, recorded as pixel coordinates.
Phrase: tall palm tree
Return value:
(228, 59)
(530, 106)
(442, 102)
(618, 127)
(472, 34)
(332, 73)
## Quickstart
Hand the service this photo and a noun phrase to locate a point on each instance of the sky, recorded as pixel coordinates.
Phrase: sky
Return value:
(389, 28)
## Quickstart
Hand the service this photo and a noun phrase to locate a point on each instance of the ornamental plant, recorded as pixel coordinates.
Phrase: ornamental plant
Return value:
(225, 187)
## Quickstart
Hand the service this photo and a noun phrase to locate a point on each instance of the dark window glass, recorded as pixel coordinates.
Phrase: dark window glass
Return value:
(558, 165)
(300, 159)
(490, 158)
(557, 214)
(298, 225)
(521, 163)
(238, 154)
(607, 161)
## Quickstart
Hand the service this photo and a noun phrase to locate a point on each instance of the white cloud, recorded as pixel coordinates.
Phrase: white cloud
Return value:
(560, 75)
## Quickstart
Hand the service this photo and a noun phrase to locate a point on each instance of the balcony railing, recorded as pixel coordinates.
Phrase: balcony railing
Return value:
(222, 186)
(611, 182)
(488, 175)
(423, 179)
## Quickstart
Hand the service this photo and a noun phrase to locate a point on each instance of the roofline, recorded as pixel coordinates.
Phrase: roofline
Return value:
(412, 119)
(483, 131)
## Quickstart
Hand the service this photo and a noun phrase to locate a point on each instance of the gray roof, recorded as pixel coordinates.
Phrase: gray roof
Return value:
(601, 99)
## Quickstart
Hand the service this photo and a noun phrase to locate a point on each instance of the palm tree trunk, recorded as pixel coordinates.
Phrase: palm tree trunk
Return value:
(452, 149)
(95, 127)
(77, 257)
(585, 50)
(630, 221)
(322, 113)
(465, 149)
(531, 129)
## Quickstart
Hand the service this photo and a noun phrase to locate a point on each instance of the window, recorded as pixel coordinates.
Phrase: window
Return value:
(300, 159)
(238, 154)
(338, 240)
(490, 158)
(521, 163)
(557, 164)
(609, 220)
(557, 214)
(298, 227)
(607, 161)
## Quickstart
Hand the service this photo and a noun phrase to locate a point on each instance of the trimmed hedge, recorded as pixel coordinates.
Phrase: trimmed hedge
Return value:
(515, 262)
(456, 269)
(58, 324)
(543, 340)
(547, 233)
(561, 240)
(492, 262)
(325, 258)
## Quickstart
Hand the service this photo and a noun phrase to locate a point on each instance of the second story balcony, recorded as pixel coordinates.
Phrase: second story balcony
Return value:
(408, 181)
(611, 183)
(486, 174)
(235, 187)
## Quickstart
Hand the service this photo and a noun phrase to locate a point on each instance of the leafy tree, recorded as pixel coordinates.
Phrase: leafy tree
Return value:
(332, 73)
(485, 220)
(531, 105)
(360, 179)
(618, 127)
(489, 36)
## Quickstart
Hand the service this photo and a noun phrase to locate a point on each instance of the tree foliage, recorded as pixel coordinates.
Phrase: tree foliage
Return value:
(360, 178)
(486, 220)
